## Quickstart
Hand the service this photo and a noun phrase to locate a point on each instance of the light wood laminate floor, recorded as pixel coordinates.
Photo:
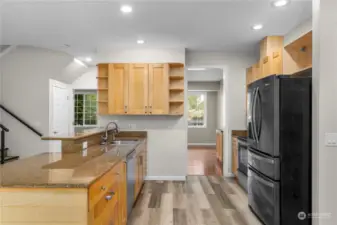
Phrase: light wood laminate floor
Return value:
(200, 200)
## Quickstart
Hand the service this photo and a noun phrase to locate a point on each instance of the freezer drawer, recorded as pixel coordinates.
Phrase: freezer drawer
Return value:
(266, 165)
(264, 197)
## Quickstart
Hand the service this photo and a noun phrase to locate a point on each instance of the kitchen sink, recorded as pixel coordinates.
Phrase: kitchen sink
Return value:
(124, 142)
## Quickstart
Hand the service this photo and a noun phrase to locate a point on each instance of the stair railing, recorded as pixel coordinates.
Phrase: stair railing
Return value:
(20, 120)
(2, 144)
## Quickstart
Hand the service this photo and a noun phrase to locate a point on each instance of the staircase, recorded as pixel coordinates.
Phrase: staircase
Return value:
(4, 157)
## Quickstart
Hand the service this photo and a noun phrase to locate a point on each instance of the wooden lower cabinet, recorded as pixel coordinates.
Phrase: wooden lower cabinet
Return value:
(107, 198)
(235, 162)
(139, 173)
(219, 145)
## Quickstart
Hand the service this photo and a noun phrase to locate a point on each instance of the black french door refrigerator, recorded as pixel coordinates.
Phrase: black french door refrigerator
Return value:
(279, 145)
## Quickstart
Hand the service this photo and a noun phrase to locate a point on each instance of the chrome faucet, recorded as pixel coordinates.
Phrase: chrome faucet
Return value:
(115, 131)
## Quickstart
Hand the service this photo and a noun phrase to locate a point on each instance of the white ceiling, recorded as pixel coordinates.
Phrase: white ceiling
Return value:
(210, 74)
(196, 25)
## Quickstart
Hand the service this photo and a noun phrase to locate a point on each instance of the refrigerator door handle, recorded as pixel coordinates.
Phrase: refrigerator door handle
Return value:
(258, 129)
(254, 117)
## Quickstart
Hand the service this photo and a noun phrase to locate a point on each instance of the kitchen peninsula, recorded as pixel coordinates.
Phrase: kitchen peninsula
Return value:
(78, 187)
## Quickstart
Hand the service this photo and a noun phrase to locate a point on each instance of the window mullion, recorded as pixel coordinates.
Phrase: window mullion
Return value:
(84, 100)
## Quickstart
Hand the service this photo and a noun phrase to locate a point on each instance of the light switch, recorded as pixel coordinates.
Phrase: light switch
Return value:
(331, 139)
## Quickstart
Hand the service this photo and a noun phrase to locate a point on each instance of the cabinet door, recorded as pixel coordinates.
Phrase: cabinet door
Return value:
(158, 89)
(249, 75)
(137, 177)
(234, 156)
(256, 72)
(277, 63)
(118, 88)
(138, 89)
(220, 147)
(122, 196)
(141, 170)
(266, 66)
(113, 214)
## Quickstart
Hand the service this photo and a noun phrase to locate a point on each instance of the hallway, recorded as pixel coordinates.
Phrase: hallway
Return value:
(200, 200)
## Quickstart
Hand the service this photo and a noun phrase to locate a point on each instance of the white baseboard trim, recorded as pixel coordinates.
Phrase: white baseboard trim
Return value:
(229, 175)
(173, 178)
(202, 144)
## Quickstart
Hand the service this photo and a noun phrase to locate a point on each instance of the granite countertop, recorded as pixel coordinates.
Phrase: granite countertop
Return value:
(68, 170)
(75, 135)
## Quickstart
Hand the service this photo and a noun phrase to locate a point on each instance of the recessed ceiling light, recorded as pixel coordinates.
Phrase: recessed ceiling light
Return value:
(280, 3)
(140, 42)
(257, 27)
(88, 59)
(196, 69)
(126, 8)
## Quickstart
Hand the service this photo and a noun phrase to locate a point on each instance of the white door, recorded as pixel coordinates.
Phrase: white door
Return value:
(60, 110)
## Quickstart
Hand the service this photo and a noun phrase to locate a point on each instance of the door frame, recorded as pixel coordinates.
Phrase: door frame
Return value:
(55, 83)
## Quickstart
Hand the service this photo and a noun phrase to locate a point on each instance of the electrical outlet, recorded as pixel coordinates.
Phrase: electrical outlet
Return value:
(331, 139)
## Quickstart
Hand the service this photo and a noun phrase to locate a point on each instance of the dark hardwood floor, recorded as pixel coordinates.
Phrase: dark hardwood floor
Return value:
(201, 161)
(200, 200)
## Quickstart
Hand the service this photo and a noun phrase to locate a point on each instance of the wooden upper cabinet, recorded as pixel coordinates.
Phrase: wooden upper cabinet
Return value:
(138, 89)
(298, 54)
(269, 45)
(277, 62)
(249, 75)
(158, 89)
(256, 71)
(118, 88)
(265, 66)
(272, 64)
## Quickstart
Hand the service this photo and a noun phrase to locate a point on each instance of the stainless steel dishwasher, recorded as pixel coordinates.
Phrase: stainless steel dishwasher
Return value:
(131, 179)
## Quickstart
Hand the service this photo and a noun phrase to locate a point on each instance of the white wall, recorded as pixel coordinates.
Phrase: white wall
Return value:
(234, 78)
(203, 86)
(25, 91)
(297, 32)
(167, 135)
(324, 110)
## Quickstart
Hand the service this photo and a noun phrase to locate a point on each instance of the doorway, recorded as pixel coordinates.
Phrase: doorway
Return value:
(203, 120)
(59, 108)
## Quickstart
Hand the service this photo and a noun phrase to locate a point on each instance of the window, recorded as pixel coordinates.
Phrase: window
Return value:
(85, 109)
(197, 109)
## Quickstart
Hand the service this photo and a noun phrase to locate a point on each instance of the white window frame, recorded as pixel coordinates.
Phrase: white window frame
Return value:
(192, 92)
(84, 93)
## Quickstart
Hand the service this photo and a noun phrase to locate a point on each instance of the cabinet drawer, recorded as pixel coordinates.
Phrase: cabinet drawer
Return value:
(102, 185)
(102, 210)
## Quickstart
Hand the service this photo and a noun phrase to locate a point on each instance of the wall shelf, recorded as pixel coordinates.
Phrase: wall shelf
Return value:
(176, 101)
(176, 89)
(175, 77)
(298, 54)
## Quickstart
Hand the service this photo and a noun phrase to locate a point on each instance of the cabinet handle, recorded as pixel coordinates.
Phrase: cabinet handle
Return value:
(103, 188)
(145, 109)
(108, 197)
(126, 109)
